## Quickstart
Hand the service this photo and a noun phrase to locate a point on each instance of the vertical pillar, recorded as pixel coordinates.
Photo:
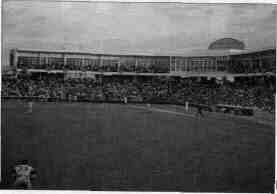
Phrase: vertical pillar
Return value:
(175, 65)
(46, 59)
(260, 62)
(215, 63)
(15, 58)
(187, 65)
(82, 63)
(184, 65)
(200, 62)
(64, 60)
(118, 66)
(251, 65)
(83, 60)
(170, 65)
(136, 64)
(39, 62)
(100, 61)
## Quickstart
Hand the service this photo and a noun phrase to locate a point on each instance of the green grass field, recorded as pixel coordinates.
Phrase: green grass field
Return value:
(127, 147)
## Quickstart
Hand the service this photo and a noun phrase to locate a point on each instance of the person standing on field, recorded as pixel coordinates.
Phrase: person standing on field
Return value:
(23, 174)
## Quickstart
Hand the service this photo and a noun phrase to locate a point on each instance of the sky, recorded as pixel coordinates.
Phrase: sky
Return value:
(133, 28)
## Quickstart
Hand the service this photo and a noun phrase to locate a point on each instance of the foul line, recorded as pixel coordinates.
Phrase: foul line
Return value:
(163, 111)
(193, 116)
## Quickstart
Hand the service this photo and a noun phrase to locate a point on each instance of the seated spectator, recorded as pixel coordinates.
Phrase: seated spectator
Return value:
(175, 90)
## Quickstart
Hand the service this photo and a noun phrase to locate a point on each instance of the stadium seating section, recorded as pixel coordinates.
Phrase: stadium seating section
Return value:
(249, 92)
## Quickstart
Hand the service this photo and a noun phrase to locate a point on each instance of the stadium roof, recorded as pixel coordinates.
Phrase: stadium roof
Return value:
(191, 53)
(227, 44)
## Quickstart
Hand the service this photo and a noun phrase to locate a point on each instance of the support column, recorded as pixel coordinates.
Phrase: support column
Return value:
(64, 60)
(216, 65)
(100, 61)
(170, 63)
(260, 62)
(118, 66)
(136, 64)
(83, 61)
(175, 64)
(39, 59)
(15, 56)
(185, 65)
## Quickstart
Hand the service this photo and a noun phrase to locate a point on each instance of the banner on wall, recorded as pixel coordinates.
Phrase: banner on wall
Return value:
(219, 79)
(79, 75)
(230, 78)
(90, 75)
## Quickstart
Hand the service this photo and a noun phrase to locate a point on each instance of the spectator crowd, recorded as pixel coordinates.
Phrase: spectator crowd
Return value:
(249, 92)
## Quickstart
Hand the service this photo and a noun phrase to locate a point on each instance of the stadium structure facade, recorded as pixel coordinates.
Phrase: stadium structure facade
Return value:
(80, 64)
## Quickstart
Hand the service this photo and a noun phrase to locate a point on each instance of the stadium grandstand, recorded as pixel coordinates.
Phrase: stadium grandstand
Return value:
(207, 80)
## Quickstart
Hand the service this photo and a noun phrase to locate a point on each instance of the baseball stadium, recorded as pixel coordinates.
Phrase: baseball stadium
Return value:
(198, 122)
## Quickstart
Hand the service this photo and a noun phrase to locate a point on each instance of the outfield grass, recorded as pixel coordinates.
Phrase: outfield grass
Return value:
(124, 147)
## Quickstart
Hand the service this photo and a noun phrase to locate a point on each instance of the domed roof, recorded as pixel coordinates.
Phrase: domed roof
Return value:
(226, 44)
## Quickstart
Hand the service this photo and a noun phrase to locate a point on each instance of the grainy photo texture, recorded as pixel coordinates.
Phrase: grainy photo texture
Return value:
(138, 96)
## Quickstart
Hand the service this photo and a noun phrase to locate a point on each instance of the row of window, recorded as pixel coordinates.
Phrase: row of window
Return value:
(144, 64)
(159, 65)
(199, 65)
(125, 64)
(253, 66)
